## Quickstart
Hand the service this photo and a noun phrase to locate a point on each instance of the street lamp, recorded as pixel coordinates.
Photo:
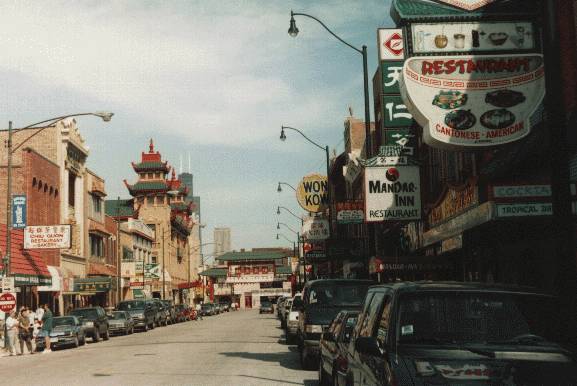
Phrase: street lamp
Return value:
(278, 208)
(293, 31)
(106, 117)
(278, 224)
(279, 188)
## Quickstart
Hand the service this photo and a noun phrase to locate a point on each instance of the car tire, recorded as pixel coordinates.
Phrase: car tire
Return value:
(106, 335)
(145, 327)
(76, 342)
(306, 361)
(96, 336)
(83, 341)
(126, 331)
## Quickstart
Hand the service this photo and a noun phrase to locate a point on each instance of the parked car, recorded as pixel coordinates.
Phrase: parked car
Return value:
(94, 321)
(206, 309)
(161, 314)
(466, 333)
(66, 331)
(284, 312)
(322, 301)
(169, 309)
(333, 347)
(292, 324)
(141, 311)
(265, 308)
(225, 306)
(120, 322)
(280, 306)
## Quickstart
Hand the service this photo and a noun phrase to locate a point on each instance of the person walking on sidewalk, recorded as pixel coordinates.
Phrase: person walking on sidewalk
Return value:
(47, 327)
(24, 331)
(12, 326)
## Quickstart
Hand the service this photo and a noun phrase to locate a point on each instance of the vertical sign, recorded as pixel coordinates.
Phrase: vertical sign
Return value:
(18, 211)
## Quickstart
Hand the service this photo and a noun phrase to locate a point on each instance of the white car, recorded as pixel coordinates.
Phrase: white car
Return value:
(292, 324)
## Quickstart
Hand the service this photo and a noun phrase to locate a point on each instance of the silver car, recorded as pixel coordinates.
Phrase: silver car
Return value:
(120, 322)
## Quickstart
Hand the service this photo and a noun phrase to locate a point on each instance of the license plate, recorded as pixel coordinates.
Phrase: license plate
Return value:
(53, 340)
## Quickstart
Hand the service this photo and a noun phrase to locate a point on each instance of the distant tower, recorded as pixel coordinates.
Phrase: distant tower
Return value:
(222, 241)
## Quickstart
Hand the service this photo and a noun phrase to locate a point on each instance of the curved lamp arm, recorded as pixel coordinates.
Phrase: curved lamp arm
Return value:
(288, 210)
(279, 189)
(289, 228)
(283, 136)
(286, 238)
(295, 30)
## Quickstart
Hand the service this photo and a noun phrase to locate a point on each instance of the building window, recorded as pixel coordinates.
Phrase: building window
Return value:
(96, 207)
(71, 189)
(96, 246)
(150, 176)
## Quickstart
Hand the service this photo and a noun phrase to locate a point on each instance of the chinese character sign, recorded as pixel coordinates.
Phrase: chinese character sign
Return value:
(18, 211)
(47, 237)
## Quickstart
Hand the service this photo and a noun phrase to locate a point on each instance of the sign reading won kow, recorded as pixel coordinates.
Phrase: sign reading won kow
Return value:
(312, 193)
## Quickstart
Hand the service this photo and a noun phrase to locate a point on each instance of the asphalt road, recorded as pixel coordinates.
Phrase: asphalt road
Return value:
(235, 348)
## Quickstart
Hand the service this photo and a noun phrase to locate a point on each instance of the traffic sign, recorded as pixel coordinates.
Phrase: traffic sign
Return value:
(7, 302)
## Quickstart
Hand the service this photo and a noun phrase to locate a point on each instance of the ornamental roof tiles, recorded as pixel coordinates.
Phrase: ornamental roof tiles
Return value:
(215, 272)
(120, 208)
(147, 186)
(151, 166)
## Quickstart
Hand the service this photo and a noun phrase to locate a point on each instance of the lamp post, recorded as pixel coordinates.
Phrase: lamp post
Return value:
(289, 211)
(293, 31)
(298, 241)
(297, 251)
(106, 117)
(279, 188)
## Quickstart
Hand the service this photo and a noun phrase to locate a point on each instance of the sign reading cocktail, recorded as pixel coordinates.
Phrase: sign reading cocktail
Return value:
(312, 193)
(47, 237)
(474, 101)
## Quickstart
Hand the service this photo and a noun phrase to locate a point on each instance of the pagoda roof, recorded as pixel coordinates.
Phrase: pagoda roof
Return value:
(252, 256)
(147, 186)
(151, 166)
(121, 209)
(182, 207)
(215, 272)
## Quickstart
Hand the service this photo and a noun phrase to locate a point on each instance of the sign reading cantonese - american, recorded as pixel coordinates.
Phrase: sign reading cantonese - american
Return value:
(474, 101)
(392, 193)
(47, 237)
(312, 193)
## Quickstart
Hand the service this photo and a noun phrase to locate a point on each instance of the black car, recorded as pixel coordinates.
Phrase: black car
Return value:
(141, 311)
(120, 322)
(160, 316)
(206, 309)
(169, 308)
(333, 347)
(94, 321)
(265, 308)
(321, 302)
(459, 333)
(66, 331)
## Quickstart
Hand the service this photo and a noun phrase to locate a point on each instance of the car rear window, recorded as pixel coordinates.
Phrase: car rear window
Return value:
(337, 294)
(127, 306)
(89, 313)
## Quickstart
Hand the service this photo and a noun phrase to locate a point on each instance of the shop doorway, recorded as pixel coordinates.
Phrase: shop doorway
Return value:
(247, 301)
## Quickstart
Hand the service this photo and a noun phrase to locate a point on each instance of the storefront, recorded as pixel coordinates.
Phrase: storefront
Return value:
(93, 291)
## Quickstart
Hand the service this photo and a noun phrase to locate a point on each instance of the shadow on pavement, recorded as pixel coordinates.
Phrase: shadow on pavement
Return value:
(284, 359)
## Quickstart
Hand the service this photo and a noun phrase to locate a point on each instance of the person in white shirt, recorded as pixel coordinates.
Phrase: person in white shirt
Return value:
(12, 328)
(39, 313)
(198, 308)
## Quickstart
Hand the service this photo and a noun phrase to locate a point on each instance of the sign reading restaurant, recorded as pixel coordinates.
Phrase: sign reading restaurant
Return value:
(392, 193)
(473, 101)
(47, 237)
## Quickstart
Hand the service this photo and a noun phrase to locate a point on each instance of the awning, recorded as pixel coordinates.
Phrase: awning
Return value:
(26, 266)
(56, 285)
(92, 285)
(101, 269)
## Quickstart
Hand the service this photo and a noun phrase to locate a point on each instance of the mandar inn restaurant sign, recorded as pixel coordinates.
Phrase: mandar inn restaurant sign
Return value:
(473, 101)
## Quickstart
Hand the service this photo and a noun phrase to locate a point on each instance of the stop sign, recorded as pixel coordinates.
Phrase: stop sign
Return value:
(7, 302)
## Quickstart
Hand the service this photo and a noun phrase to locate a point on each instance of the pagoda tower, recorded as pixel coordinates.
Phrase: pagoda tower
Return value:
(159, 199)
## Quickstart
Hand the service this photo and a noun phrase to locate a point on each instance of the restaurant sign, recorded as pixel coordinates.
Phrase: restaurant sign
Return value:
(392, 193)
(455, 202)
(350, 212)
(525, 209)
(474, 101)
(93, 284)
(315, 228)
(312, 193)
(47, 237)
(468, 5)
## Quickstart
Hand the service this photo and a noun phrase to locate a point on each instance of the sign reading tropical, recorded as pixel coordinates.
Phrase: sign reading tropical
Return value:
(312, 193)
(47, 237)
(474, 101)
(392, 193)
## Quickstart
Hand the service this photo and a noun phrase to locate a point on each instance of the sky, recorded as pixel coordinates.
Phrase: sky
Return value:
(209, 80)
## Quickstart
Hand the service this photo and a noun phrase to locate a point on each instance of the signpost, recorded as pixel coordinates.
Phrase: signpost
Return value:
(7, 302)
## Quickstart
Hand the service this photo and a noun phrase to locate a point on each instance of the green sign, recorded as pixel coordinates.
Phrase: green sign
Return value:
(93, 284)
(395, 112)
(390, 74)
(152, 271)
(33, 280)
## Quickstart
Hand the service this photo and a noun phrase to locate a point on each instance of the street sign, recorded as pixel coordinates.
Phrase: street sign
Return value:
(7, 302)
(8, 284)
(18, 211)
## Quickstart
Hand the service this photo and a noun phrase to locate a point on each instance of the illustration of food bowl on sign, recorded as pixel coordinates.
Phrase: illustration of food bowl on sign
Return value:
(450, 99)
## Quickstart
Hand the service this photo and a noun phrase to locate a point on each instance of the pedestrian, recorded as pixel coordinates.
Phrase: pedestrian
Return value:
(12, 330)
(47, 327)
(39, 313)
(24, 332)
(198, 311)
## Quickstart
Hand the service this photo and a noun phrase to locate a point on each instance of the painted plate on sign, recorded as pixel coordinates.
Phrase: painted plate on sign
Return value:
(473, 101)
(391, 45)
(467, 5)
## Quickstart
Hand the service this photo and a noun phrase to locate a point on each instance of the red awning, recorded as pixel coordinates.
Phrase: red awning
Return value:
(101, 270)
(27, 266)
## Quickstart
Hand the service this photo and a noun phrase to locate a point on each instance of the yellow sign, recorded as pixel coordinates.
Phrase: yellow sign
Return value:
(312, 193)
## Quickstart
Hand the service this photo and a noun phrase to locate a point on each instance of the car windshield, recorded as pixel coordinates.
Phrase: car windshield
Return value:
(87, 313)
(462, 317)
(63, 321)
(127, 306)
(117, 315)
(335, 294)
(266, 304)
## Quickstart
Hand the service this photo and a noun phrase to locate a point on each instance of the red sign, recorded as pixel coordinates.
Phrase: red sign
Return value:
(394, 44)
(7, 302)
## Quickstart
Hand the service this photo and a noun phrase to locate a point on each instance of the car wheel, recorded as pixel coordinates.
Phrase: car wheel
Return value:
(83, 341)
(126, 330)
(76, 341)
(96, 336)
(106, 335)
(131, 330)
(306, 360)
(145, 327)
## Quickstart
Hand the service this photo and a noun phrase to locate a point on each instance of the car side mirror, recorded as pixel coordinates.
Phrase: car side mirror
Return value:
(328, 336)
(368, 345)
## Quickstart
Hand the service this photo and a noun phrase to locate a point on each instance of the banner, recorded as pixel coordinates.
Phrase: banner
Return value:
(47, 237)
(18, 211)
